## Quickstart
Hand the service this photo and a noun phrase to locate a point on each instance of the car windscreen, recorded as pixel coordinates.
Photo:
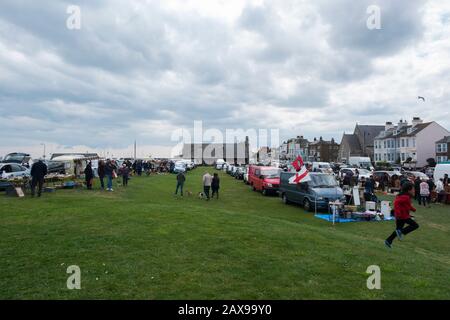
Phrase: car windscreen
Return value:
(363, 171)
(14, 158)
(323, 181)
(271, 173)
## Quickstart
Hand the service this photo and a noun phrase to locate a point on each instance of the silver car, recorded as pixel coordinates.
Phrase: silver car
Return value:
(10, 170)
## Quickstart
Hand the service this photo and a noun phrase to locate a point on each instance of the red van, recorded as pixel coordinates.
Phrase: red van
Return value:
(264, 179)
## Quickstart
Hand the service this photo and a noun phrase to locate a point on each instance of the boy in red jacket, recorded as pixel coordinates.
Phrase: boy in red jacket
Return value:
(402, 207)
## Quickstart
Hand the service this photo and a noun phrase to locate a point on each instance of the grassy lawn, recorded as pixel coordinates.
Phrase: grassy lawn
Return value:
(144, 243)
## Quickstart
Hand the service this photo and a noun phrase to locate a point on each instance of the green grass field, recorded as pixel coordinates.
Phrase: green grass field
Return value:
(144, 243)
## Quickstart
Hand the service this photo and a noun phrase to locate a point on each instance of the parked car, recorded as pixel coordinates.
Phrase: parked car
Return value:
(9, 170)
(323, 167)
(413, 175)
(219, 164)
(239, 173)
(378, 175)
(316, 193)
(17, 157)
(180, 166)
(264, 179)
(245, 176)
(363, 173)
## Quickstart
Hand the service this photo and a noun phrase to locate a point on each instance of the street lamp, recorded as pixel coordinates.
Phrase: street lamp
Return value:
(43, 144)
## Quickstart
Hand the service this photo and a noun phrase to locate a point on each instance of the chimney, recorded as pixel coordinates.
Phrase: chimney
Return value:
(416, 121)
(402, 124)
(389, 125)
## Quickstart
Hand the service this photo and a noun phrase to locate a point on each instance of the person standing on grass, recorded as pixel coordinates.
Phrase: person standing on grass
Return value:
(109, 173)
(402, 208)
(417, 183)
(207, 181)
(424, 192)
(440, 190)
(432, 188)
(215, 186)
(89, 175)
(181, 178)
(445, 180)
(101, 173)
(125, 172)
(38, 172)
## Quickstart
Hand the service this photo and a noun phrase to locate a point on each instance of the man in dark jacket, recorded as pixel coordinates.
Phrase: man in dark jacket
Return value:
(38, 172)
(417, 183)
(89, 175)
(181, 178)
(101, 173)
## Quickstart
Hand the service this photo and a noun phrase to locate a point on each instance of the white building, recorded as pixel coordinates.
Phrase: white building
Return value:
(413, 143)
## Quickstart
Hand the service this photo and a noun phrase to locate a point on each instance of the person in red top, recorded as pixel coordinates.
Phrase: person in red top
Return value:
(402, 208)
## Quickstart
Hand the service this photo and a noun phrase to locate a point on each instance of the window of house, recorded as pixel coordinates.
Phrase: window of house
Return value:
(441, 147)
(403, 143)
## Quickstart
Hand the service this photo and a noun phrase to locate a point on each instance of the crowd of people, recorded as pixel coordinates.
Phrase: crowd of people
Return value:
(423, 188)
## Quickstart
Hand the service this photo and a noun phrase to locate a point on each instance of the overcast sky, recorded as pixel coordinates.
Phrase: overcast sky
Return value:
(141, 69)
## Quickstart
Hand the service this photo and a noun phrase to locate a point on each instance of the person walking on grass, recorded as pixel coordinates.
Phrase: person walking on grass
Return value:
(425, 193)
(207, 181)
(402, 208)
(181, 178)
(89, 175)
(215, 186)
(38, 172)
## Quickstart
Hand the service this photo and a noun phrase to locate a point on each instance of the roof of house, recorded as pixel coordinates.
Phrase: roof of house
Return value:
(403, 132)
(444, 140)
(352, 140)
(370, 130)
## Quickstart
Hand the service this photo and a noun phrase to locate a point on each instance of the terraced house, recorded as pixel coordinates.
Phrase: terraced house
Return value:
(412, 143)
(443, 150)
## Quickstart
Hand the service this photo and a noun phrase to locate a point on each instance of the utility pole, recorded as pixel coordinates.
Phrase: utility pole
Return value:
(134, 150)
(43, 144)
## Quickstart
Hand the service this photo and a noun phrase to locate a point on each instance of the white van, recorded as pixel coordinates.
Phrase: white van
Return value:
(361, 162)
(219, 164)
(440, 171)
(324, 167)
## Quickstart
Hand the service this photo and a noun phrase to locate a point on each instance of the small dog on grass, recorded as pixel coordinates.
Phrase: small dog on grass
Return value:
(201, 195)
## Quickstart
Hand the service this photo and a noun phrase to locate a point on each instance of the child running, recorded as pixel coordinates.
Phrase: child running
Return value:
(402, 207)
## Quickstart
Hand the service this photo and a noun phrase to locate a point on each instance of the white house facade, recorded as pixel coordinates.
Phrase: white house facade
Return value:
(413, 143)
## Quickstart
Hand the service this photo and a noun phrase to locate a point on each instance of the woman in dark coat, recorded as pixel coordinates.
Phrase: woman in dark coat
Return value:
(89, 175)
(215, 185)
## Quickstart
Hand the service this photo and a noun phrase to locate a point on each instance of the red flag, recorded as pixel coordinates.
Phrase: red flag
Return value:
(298, 163)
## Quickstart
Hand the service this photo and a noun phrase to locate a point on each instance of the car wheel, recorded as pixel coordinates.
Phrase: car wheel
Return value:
(254, 188)
(307, 205)
(264, 192)
(285, 199)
